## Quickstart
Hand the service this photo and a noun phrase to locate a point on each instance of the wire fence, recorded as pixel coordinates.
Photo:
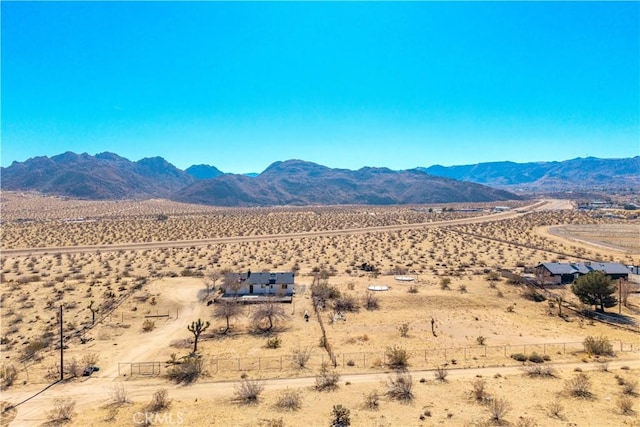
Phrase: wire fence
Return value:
(430, 358)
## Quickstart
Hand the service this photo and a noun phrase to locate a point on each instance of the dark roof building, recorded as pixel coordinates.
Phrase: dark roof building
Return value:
(562, 273)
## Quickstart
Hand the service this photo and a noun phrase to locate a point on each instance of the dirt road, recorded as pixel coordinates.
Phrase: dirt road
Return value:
(97, 391)
(538, 206)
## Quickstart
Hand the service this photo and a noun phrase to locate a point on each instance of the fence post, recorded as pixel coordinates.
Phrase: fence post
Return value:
(544, 349)
(364, 360)
(281, 363)
(259, 363)
(564, 348)
(485, 351)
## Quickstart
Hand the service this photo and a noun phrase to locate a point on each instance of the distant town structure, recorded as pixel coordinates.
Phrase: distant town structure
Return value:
(261, 284)
(557, 273)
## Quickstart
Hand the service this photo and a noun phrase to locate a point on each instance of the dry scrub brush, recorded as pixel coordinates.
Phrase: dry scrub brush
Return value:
(400, 386)
(248, 391)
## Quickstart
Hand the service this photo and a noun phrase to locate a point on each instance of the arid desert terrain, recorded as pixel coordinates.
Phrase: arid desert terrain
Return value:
(131, 276)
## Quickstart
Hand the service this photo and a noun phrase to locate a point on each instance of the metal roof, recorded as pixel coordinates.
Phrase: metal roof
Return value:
(262, 278)
(585, 267)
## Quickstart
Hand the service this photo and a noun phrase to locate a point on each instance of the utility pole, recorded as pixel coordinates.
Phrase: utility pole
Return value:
(61, 347)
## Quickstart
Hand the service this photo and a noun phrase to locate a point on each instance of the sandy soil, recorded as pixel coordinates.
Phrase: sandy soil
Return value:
(131, 283)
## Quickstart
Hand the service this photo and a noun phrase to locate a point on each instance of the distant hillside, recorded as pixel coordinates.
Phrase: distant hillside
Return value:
(296, 182)
(104, 176)
(203, 171)
(575, 174)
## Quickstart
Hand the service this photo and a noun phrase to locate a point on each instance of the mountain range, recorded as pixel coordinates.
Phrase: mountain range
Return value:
(575, 174)
(107, 176)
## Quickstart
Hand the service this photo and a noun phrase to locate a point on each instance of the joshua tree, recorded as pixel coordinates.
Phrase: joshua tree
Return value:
(196, 328)
(94, 310)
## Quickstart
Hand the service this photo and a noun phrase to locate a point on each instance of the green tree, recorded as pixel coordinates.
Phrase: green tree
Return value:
(597, 289)
(196, 328)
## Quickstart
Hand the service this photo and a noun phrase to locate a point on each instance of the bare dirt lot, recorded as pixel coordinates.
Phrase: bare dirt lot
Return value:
(456, 314)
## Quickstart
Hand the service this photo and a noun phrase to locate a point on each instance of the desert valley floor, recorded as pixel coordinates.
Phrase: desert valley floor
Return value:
(130, 277)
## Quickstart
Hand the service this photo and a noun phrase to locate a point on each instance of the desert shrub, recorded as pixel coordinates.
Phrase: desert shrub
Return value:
(148, 325)
(462, 288)
(340, 416)
(159, 401)
(8, 375)
(248, 391)
(445, 283)
(300, 357)
(535, 358)
(478, 391)
(555, 410)
(119, 394)
(188, 371)
(346, 303)
(598, 346)
(413, 289)
(289, 399)
(441, 373)
(533, 295)
(89, 360)
(274, 342)
(480, 340)
(371, 400)
(33, 348)
(62, 411)
(579, 386)
(327, 379)
(400, 386)
(73, 368)
(321, 292)
(519, 357)
(625, 405)
(540, 371)
(371, 301)
(498, 408)
(404, 330)
(629, 387)
(397, 357)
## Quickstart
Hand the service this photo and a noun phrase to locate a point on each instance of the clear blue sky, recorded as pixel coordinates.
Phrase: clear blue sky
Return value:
(241, 85)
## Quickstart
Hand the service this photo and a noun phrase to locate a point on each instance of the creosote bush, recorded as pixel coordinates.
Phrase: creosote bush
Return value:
(579, 386)
(159, 401)
(62, 411)
(400, 386)
(327, 379)
(248, 391)
(371, 400)
(498, 408)
(441, 373)
(289, 400)
(598, 346)
(188, 370)
(397, 357)
(478, 391)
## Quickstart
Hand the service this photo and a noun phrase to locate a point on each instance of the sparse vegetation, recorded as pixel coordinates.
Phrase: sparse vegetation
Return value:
(400, 386)
(397, 357)
(326, 378)
(289, 400)
(579, 386)
(599, 346)
(248, 391)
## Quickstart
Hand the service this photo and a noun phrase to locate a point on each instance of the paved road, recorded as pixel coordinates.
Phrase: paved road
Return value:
(540, 205)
